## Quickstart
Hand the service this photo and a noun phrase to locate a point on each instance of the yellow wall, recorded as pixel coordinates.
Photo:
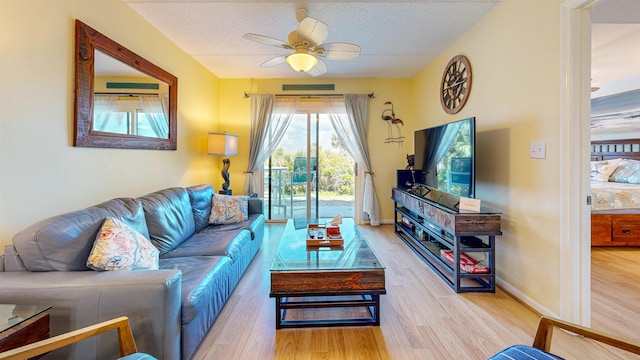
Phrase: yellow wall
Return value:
(41, 173)
(515, 57)
(386, 158)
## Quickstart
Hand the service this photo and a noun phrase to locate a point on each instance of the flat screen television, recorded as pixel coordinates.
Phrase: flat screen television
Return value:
(445, 155)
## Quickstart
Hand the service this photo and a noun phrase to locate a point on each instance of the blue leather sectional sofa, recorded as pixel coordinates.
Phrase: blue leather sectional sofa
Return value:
(170, 309)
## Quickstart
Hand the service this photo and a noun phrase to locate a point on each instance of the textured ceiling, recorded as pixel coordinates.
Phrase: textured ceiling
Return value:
(615, 52)
(615, 44)
(397, 39)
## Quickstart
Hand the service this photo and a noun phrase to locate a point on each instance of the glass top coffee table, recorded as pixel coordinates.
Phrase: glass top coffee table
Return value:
(306, 278)
(22, 324)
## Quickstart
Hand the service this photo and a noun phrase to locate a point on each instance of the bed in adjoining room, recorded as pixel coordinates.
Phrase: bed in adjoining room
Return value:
(615, 193)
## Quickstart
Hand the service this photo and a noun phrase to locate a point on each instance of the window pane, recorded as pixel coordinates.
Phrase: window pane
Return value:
(151, 124)
(113, 122)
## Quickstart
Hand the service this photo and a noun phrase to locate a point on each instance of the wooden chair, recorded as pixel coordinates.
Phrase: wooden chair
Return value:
(128, 348)
(542, 341)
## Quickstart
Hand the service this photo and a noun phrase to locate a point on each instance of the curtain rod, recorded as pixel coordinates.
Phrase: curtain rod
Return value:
(371, 95)
(125, 93)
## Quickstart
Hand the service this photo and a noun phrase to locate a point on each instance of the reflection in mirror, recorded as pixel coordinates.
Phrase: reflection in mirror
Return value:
(122, 100)
(126, 101)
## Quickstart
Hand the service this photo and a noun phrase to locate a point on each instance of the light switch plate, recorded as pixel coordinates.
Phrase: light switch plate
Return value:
(537, 150)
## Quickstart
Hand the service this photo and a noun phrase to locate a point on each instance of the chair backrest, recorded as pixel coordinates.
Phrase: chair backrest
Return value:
(299, 174)
(126, 342)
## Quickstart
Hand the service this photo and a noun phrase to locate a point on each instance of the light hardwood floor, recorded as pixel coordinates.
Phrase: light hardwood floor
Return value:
(615, 290)
(422, 318)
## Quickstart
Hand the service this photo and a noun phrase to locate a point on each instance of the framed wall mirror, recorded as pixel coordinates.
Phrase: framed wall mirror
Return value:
(122, 100)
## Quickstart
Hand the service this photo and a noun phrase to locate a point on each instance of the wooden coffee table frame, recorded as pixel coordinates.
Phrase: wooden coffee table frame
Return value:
(27, 332)
(300, 290)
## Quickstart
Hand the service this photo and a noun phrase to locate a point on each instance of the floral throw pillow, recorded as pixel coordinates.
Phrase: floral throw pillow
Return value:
(228, 209)
(120, 247)
(602, 170)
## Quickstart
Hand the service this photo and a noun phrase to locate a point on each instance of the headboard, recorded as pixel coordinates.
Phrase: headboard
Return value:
(615, 149)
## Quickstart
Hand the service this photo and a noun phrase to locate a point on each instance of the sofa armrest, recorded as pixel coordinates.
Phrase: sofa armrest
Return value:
(255, 206)
(151, 300)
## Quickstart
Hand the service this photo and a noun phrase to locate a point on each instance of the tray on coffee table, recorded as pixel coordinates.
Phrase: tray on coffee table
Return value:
(322, 235)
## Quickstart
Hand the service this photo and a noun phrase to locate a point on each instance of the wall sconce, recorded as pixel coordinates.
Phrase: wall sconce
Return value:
(226, 145)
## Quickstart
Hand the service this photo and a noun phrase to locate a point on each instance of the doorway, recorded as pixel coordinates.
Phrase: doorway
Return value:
(309, 175)
(611, 267)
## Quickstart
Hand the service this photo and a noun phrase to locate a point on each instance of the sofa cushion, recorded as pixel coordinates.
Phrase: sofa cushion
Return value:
(12, 261)
(255, 205)
(129, 211)
(169, 217)
(200, 196)
(228, 209)
(204, 283)
(119, 247)
(63, 242)
(214, 240)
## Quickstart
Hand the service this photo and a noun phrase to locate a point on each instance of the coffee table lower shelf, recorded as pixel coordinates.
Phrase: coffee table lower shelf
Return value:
(294, 301)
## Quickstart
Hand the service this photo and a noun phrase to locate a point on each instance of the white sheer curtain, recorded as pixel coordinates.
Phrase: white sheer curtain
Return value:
(104, 106)
(152, 106)
(270, 117)
(351, 129)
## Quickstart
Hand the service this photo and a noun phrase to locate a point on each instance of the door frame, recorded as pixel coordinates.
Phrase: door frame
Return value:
(575, 108)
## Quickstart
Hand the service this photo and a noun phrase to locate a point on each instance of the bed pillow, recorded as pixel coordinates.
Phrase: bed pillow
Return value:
(602, 170)
(228, 209)
(627, 172)
(120, 247)
(619, 161)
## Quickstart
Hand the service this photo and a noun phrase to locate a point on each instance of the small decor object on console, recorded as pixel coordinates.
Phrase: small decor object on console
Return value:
(467, 263)
(456, 84)
(411, 159)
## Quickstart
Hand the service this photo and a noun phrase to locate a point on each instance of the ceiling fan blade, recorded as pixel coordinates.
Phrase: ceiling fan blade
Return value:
(313, 30)
(338, 51)
(275, 61)
(267, 40)
(319, 69)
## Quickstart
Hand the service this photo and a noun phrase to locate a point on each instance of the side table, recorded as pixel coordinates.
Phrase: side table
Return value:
(22, 325)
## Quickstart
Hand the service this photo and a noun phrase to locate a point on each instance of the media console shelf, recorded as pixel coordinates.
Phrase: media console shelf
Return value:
(433, 230)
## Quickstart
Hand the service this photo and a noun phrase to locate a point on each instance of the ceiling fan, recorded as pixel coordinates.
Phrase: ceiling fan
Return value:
(307, 45)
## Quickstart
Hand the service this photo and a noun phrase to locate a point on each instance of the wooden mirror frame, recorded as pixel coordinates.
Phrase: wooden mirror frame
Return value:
(87, 41)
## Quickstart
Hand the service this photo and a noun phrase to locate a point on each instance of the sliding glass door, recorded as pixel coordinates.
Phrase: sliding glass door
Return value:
(309, 175)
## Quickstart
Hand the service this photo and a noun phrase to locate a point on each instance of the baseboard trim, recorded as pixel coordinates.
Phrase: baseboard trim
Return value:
(523, 299)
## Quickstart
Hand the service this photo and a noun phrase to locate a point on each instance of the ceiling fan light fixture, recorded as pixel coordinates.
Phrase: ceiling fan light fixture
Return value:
(301, 61)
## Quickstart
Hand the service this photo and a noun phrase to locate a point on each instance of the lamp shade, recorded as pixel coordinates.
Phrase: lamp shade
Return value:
(301, 61)
(223, 144)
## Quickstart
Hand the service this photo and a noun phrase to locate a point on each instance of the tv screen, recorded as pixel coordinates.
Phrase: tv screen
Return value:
(445, 154)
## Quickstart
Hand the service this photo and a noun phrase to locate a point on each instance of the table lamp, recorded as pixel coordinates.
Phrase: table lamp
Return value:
(226, 145)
